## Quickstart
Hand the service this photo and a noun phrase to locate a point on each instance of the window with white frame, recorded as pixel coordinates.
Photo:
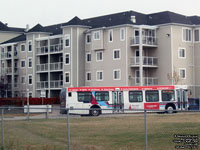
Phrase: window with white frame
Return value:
(116, 54)
(99, 55)
(67, 41)
(99, 75)
(88, 57)
(122, 34)
(196, 35)
(23, 78)
(67, 77)
(22, 47)
(29, 79)
(88, 38)
(23, 63)
(88, 76)
(29, 46)
(67, 59)
(187, 35)
(182, 73)
(110, 35)
(117, 74)
(182, 53)
(29, 62)
(96, 35)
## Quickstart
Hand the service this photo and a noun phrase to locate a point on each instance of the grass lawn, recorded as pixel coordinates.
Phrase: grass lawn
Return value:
(100, 133)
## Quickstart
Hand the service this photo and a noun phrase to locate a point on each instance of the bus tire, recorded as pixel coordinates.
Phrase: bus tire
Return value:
(170, 109)
(95, 111)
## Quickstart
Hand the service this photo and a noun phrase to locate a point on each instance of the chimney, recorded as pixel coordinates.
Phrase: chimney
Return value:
(133, 19)
(27, 27)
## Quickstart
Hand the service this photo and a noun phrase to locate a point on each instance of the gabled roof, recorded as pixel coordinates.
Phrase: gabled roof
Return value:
(37, 28)
(16, 39)
(74, 21)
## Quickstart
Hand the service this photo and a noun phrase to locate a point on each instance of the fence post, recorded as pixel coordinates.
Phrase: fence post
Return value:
(145, 126)
(68, 131)
(47, 112)
(2, 129)
(28, 113)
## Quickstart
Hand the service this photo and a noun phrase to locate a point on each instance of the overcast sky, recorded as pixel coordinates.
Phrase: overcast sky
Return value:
(18, 13)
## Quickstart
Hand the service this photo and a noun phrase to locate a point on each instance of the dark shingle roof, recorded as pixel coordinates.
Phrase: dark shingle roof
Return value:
(4, 27)
(19, 38)
(38, 28)
(74, 21)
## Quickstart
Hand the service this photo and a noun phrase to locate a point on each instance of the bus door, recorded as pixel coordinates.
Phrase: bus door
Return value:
(181, 99)
(118, 101)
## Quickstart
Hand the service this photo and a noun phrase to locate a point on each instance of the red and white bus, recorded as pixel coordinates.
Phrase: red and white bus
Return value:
(167, 98)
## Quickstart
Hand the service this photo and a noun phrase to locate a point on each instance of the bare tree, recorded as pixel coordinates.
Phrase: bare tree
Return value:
(174, 77)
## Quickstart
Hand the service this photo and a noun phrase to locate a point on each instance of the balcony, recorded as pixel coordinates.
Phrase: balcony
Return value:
(42, 50)
(56, 66)
(147, 81)
(56, 48)
(41, 67)
(56, 84)
(42, 85)
(7, 55)
(149, 41)
(147, 61)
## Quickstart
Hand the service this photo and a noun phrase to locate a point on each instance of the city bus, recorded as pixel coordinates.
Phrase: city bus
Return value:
(99, 100)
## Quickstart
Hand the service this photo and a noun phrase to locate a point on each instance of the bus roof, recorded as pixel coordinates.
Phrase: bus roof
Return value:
(125, 88)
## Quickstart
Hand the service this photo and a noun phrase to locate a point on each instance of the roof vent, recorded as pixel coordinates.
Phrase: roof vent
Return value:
(133, 19)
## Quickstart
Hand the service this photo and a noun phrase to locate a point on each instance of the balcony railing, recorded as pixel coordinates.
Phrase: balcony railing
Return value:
(146, 40)
(42, 85)
(42, 50)
(56, 48)
(146, 81)
(56, 66)
(56, 84)
(147, 61)
(42, 67)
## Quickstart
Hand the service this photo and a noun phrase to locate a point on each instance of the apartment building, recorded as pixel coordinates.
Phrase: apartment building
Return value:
(122, 49)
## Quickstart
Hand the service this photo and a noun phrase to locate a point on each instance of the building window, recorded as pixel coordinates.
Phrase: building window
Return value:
(23, 80)
(29, 62)
(182, 73)
(67, 41)
(23, 63)
(30, 94)
(182, 53)
(196, 35)
(88, 38)
(99, 55)
(67, 59)
(88, 57)
(97, 35)
(88, 76)
(99, 75)
(30, 46)
(187, 35)
(22, 47)
(67, 77)
(117, 74)
(29, 79)
(122, 34)
(110, 35)
(116, 54)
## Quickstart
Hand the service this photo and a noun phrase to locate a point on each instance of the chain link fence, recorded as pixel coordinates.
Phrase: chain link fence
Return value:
(25, 128)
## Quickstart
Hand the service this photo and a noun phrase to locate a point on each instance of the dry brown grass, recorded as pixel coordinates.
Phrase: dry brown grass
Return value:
(100, 133)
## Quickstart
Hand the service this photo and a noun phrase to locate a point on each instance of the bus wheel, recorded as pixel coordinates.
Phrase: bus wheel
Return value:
(170, 110)
(94, 112)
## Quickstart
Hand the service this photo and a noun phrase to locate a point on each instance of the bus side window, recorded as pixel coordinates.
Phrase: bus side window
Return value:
(135, 96)
(69, 94)
(168, 95)
(152, 96)
(85, 97)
